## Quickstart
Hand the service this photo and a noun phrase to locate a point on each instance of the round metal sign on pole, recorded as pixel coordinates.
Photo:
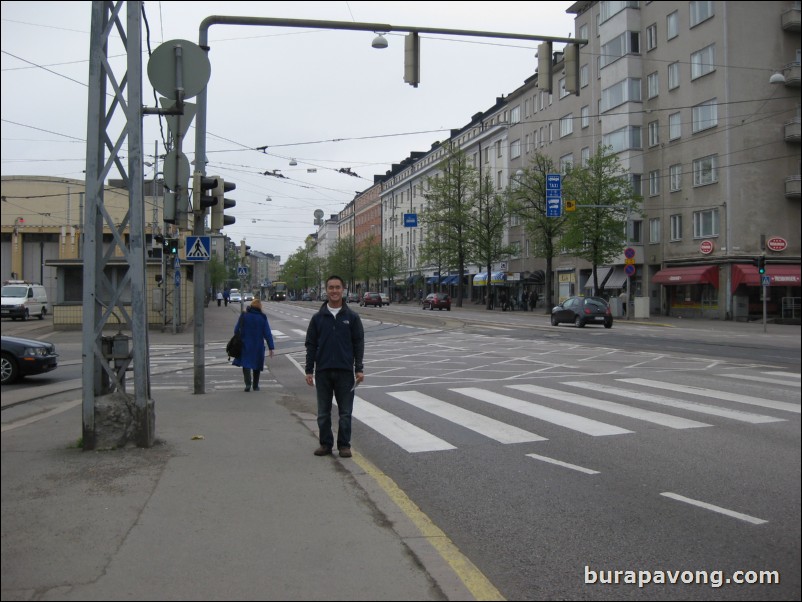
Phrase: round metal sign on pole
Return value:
(179, 64)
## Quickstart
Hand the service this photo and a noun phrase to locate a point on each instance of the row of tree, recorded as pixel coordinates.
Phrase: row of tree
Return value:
(466, 217)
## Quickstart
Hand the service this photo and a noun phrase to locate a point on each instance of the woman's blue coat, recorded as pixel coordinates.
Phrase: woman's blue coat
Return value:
(255, 331)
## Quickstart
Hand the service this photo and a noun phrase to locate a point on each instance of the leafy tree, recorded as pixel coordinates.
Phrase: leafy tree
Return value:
(596, 232)
(301, 268)
(450, 203)
(342, 260)
(486, 226)
(436, 251)
(217, 273)
(527, 199)
(392, 263)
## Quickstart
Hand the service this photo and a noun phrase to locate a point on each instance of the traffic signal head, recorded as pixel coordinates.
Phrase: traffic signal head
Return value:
(544, 66)
(203, 192)
(412, 59)
(571, 64)
(761, 264)
(219, 218)
(170, 246)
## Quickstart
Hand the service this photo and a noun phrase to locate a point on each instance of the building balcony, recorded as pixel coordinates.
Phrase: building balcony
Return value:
(793, 130)
(793, 187)
(792, 19)
(791, 72)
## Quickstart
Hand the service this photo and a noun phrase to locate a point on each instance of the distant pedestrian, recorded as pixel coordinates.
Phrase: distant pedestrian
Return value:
(335, 349)
(623, 298)
(533, 299)
(219, 298)
(503, 300)
(255, 330)
(226, 297)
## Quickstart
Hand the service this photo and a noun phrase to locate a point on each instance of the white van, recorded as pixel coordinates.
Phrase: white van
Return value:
(22, 299)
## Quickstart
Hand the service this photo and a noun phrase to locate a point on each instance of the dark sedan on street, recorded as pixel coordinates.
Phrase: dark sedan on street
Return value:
(374, 299)
(24, 357)
(580, 311)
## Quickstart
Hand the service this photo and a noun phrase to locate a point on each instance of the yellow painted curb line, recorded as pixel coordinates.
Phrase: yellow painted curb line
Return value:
(479, 585)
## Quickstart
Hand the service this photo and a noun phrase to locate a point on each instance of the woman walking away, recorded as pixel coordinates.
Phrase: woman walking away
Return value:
(255, 330)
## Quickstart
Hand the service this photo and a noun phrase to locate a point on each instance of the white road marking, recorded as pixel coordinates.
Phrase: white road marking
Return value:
(719, 509)
(407, 436)
(563, 464)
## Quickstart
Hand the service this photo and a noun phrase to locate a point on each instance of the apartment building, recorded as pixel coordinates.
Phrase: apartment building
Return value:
(700, 102)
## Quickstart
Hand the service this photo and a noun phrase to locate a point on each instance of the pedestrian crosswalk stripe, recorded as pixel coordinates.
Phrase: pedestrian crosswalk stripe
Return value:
(402, 433)
(723, 395)
(570, 421)
(762, 379)
(299, 331)
(677, 403)
(787, 374)
(726, 511)
(489, 427)
(667, 420)
(563, 464)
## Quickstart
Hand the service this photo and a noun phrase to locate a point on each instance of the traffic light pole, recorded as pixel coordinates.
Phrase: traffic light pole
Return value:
(200, 125)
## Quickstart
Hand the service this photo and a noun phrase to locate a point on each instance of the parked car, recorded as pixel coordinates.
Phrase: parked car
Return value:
(22, 357)
(582, 310)
(22, 300)
(385, 298)
(306, 297)
(352, 298)
(247, 296)
(437, 300)
(374, 299)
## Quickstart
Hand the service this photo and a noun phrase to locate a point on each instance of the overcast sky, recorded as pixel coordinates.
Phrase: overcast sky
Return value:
(324, 98)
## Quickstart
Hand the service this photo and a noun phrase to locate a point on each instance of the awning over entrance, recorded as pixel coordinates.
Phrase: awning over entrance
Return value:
(433, 279)
(480, 279)
(601, 272)
(536, 277)
(498, 278)
(453, 279)
(781, 275)
(693, 274)
(617, 279)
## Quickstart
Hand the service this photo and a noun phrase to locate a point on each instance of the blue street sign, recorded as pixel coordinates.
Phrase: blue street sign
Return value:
(199, 248)
(242, 271)
(765, 280)
(177, 278)
(410, 220)
(554, 202)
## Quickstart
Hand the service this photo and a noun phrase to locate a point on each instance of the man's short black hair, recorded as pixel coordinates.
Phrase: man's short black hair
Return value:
(334, 277)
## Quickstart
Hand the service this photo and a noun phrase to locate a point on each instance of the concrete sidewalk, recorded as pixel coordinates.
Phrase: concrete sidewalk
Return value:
(230, 504)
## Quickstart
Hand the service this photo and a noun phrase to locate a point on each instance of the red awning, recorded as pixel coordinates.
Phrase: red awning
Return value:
(694, 274)
(781, 275)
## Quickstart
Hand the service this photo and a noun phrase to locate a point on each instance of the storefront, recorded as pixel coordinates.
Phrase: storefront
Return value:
(783, 292)
(691, 291)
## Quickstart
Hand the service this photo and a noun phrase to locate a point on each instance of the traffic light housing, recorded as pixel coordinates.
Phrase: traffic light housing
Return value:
(170, 246)
(412, 59)
(761, 264)
(219, 217)
(545, 69)
(571, 65)
(203, 192)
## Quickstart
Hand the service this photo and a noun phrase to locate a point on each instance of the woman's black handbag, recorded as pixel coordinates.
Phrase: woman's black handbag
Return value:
(234, 347)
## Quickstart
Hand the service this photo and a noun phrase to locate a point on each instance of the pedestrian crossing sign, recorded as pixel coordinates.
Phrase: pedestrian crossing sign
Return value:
(199, 248)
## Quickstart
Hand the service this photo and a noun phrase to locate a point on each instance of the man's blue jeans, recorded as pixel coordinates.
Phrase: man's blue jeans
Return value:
(336, 384)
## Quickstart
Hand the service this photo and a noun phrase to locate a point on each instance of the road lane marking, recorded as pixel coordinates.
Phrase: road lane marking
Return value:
(63, 407)
(719, 509)
(404, 434)
(747, 399)
(674, 422)
(691, 406)
(564, 419)
(762, 379)
(563, 464)
(484, 425)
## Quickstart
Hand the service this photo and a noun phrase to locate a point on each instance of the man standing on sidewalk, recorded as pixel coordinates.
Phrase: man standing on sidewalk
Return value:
(335, 347)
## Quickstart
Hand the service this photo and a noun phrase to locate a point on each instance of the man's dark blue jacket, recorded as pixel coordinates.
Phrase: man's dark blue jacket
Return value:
(335, 343)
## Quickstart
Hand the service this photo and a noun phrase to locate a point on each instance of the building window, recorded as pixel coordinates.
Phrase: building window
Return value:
(584, 75)
(673, 76)
(610, 8)
(585, 113)
(651, 37)
(627, 90)
(585, 156)
(705, 115)
(705, 170)
(705, 223)
(675, 177)
(567, 125)
(703, 61)
(563, 91)
(626, 43)
(636, 231)
(498, 148)
(672, 25)
(515, 149)
(654, 230)
(566, 161)
(654, 133)
(652, 85)
(635, 184)
(676, 227)
(674, 126)
(701, 11)
(624, 139)
(583, 32)
(515, 114)
(654, 182)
